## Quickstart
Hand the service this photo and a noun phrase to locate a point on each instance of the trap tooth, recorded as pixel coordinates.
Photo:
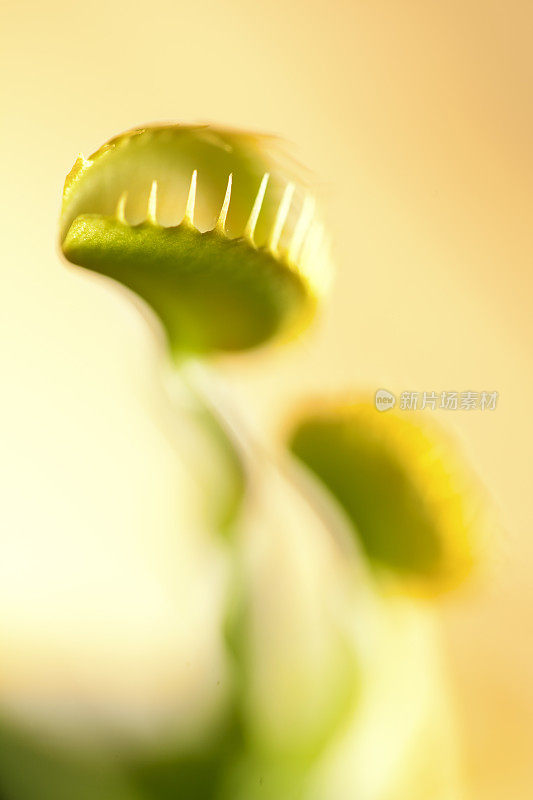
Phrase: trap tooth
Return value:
(281, 217)
(222, 217)
(120, 212)
(302, 226)
(151, 213)
(191, 200)
(256, 209)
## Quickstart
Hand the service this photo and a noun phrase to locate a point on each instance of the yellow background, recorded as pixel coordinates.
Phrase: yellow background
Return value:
(417, 119)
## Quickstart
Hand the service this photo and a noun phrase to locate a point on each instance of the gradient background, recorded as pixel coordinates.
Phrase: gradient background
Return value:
(417, 119)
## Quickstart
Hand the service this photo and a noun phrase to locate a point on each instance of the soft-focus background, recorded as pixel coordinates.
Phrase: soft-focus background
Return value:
(416, 116)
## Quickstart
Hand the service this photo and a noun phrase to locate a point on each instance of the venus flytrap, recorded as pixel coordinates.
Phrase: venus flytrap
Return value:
(220, 280)
(330, 685)
(219, 238)
(414, 507)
